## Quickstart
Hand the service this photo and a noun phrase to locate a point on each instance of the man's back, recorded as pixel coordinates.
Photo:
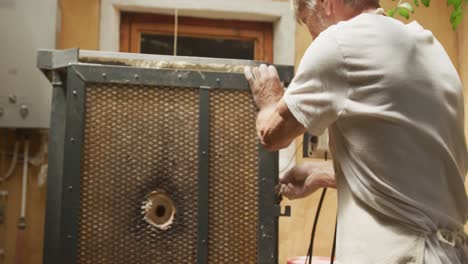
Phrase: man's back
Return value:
(404, 117)
(402, 127)
(396, 114)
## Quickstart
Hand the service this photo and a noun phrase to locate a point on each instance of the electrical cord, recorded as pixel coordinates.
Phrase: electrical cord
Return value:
(314, 229)
(12, 167)
(332, 259)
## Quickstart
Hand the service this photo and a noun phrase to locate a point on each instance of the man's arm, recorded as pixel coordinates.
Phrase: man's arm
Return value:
(304, 179)
(276, 125)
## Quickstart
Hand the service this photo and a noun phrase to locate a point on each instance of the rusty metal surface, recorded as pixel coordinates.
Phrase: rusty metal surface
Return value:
(138, 139)
(233, 205)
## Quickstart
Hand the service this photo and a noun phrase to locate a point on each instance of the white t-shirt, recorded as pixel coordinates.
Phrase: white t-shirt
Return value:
(393, 104)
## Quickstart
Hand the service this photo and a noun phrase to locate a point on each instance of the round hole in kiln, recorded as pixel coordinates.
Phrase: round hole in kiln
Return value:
(159, 210)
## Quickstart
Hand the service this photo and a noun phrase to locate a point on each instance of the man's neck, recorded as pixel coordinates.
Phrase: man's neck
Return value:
(350, 12)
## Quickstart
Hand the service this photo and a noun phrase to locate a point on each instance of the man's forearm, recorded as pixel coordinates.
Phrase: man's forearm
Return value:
(306, 178)
(268, 130)
(324, 173)
(277, 127)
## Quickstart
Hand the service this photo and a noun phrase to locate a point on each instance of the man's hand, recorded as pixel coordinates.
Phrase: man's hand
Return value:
(276, 126)
(265, 84)
(304, 179)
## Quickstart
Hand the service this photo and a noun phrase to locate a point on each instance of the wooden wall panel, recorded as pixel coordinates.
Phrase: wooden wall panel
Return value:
(35, 207)
(79, 25)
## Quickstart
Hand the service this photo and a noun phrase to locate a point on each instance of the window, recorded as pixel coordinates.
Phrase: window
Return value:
(154, 34)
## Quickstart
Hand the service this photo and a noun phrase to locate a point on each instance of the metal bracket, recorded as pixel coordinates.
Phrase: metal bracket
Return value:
(287, 211)
(278, 212)
(56, 59)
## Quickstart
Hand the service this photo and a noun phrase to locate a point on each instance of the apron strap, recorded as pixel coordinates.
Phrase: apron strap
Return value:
(452, 238)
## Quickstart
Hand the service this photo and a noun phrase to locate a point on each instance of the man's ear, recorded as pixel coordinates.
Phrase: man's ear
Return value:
(327, 6)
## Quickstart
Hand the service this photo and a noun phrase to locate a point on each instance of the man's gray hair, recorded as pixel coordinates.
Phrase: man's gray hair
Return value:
(360, 2)
(311, 3)
(355, 3)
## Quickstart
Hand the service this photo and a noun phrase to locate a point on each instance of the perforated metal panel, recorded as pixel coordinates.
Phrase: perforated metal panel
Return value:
(233, 206)
(138, 139)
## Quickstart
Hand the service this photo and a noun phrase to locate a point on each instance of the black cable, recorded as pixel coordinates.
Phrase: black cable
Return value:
(332, 260)
(314, 228)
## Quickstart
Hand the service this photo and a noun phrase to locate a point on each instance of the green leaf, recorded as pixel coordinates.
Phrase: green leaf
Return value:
(456, 17)
(456, 21)
(406, 5)
(416, 2)
(426, 3)
(456, 3)
(403, 12)
(391, 12)
(455, 14)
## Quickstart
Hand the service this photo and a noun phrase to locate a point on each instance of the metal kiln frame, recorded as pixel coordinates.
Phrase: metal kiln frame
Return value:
(69, 77)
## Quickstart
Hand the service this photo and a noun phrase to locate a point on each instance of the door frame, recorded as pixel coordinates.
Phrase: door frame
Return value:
(279, 13)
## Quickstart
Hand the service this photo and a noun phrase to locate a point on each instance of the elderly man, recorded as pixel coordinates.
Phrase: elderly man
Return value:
(393, 104)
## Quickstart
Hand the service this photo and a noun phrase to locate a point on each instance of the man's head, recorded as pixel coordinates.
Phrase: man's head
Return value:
(318, 15)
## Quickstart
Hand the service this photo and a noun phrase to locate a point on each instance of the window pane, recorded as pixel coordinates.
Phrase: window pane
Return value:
(198, 46)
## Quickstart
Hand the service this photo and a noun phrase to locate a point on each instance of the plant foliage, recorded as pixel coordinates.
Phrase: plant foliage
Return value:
(404, 9)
